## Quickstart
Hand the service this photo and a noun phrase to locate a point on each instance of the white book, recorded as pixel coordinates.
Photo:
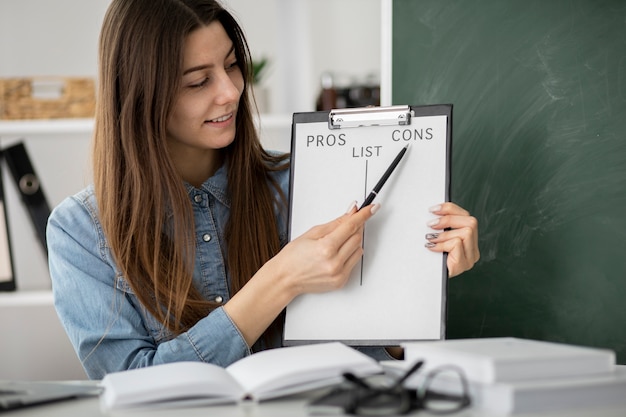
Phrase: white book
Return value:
(506, 359)
(532, 396)
(263, 375)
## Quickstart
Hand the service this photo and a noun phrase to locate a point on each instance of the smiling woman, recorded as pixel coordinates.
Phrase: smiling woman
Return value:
(175, 252)
(178, 251)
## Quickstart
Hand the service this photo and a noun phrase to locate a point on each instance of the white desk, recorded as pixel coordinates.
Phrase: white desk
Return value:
(294, 406)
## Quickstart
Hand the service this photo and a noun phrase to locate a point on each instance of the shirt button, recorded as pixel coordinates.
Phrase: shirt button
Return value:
(197, 198)
(219, 299)
(206, 237)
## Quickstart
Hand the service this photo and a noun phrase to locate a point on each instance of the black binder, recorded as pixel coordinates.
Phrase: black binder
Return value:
(7, 276)
(29, 188)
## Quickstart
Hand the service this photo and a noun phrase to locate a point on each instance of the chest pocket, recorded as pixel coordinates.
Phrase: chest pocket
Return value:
(154, 328)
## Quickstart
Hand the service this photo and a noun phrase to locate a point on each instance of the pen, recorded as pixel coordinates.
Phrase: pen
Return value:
(384, 178)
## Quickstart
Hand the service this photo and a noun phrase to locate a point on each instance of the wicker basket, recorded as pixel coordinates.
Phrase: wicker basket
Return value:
(46, 98)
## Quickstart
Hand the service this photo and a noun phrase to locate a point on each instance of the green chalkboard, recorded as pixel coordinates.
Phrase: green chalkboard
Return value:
(539, 157)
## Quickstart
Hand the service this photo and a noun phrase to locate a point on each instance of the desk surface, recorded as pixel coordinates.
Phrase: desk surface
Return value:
(292, 407)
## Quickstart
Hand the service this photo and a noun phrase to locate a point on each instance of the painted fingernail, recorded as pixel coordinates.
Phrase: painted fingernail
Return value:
(430, 236)
(375, 208)
(435, 209)
(351, 207)
(429, 244)
(433, 222)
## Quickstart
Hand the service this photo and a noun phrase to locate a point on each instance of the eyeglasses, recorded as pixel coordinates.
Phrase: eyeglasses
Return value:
(443, 390)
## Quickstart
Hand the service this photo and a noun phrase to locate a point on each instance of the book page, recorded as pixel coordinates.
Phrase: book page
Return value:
(186, 382)
(276, 372)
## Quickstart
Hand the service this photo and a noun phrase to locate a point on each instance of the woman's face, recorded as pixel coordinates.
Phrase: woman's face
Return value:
(203, 118)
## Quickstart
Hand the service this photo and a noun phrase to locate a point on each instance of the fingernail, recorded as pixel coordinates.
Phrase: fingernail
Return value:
(429, 244)
(430, 236)
(435, 209)
(351, 207)
(375, 208)
(433, 222)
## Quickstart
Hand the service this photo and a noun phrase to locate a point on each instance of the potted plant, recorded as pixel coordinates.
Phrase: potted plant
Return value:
(261, 93)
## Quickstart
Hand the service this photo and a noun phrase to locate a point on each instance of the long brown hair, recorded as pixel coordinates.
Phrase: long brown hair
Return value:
(137, 186)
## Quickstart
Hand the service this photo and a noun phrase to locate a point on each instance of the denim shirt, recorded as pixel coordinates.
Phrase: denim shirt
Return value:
(108, 327)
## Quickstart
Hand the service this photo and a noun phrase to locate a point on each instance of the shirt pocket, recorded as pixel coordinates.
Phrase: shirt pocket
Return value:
(153, 326)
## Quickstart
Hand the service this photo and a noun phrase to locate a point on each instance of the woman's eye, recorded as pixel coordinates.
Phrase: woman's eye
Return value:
(200, 84)
(232, 66)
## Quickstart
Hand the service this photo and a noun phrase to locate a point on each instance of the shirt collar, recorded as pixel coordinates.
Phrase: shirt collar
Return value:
(216, 185)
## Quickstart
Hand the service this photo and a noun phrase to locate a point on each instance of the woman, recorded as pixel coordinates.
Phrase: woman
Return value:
(178, 251)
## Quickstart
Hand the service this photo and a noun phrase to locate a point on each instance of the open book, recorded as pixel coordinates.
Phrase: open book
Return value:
(263, 375)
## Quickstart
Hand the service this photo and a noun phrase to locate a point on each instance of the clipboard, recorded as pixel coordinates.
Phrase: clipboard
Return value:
(7, 276)
(398, 291)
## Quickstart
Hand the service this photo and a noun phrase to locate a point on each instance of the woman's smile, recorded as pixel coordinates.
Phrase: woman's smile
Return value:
(222, 121)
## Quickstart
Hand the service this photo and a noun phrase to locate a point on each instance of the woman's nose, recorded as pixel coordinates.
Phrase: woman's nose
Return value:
(229, 89)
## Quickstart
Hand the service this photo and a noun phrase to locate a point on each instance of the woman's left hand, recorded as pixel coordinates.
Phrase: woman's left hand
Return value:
(455, 232)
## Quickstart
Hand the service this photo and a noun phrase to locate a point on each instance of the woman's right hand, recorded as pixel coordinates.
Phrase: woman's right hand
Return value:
(318, 261)
(322, 258)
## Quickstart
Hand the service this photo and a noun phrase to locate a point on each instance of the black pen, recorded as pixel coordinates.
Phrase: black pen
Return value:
(384, 178)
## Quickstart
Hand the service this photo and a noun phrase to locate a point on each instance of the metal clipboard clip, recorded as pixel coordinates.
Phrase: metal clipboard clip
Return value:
(369, 116)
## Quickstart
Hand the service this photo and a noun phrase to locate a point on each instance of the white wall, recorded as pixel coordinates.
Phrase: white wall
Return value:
(49, 37)
(302, 38)
(34, 345)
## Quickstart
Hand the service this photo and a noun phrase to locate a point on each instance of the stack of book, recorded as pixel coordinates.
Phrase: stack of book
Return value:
(511, 375)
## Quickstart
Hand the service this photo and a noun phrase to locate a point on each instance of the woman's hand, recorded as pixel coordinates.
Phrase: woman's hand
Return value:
(322, 258)
(455, 232)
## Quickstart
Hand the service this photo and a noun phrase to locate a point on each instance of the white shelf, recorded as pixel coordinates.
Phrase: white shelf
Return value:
(26, 298)
(45, 126)
(24, 127)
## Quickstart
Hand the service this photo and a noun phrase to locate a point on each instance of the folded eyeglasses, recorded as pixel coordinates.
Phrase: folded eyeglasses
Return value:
(443, 390)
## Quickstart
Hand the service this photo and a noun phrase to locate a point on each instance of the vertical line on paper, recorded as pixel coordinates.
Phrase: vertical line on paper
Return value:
(363, 244)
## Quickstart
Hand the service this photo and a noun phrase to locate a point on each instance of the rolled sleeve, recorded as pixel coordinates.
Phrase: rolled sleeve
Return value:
(232, 345)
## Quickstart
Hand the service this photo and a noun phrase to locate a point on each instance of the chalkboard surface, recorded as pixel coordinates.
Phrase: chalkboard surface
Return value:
(539, 92)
